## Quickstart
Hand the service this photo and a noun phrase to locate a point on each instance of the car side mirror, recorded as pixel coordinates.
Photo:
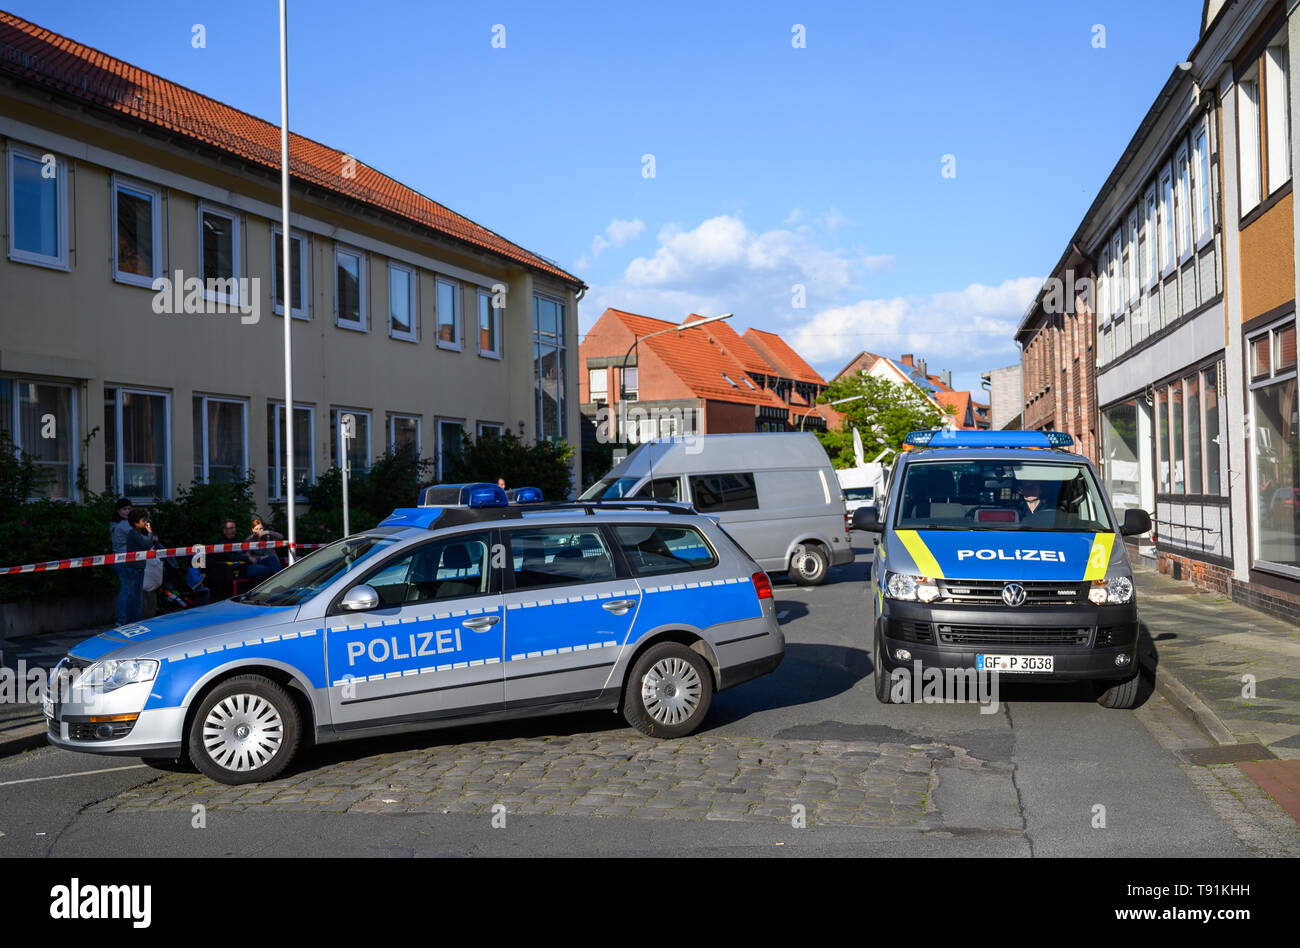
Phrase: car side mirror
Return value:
(1135, 522)
(359, 599)
(868, 519)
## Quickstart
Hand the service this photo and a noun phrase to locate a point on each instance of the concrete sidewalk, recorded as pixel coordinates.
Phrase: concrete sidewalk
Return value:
(22, 725)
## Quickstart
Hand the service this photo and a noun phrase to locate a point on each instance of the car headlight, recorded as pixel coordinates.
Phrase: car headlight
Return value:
(114, 673)
(907, 586)
(1116, 590)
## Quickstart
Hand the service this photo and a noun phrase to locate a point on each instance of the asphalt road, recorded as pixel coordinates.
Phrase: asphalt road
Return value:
(1049, 774)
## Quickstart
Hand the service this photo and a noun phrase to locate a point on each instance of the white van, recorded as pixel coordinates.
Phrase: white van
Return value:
(775, 493)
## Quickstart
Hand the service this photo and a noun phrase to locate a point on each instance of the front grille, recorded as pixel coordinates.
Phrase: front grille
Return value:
(85, 731)
(1003, 636)
(989, 591)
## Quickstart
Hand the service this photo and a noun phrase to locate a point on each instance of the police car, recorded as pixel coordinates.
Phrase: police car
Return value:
(999, 552)
(467, 610)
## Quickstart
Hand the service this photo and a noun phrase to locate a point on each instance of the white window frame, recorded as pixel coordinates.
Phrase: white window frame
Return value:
(496, 426)
(1185, 244)
(1103, 285)
(273, 488)
(1203, 193)
(1117, 272)
(304, 274)
(1277, 102)
(1274, 377)
(591, 389)
(1248, 144)
(363, 320)
(16, 431)
(458, 343)
(203, 432)
(60, 260)
(1150, 254)
(1165, 201)
(338, 412)
(118, 486)
(236, 253)
(495, 316)
(393, 417)
(154, 194)
(1132, 280)
(413, 297)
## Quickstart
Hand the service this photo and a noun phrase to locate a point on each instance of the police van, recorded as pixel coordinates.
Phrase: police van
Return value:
(465, 610)
(1000, 552)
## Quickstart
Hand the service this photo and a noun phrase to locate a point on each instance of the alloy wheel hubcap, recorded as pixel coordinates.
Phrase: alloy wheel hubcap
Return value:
(671, 690)
(243, 732)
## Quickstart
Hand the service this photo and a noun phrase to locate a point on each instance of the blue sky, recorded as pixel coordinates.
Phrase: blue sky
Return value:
(774, 166)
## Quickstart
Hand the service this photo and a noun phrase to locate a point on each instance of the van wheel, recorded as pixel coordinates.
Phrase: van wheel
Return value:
(1119, 694)
(246, 730)
(668, 691)
(883, 692)
(808, 565)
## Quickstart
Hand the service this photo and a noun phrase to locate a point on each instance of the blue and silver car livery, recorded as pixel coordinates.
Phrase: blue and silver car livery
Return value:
(439, 616)
(999, 552)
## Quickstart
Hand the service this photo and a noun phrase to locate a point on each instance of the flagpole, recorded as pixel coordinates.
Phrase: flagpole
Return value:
(286, 279)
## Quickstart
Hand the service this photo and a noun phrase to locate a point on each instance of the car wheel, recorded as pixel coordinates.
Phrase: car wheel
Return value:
(808, 565)
(1119, 694)
(246, 730)
(883, 691)
(668, 691)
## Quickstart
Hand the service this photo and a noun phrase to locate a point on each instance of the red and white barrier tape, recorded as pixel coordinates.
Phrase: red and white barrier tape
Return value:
(108, 559)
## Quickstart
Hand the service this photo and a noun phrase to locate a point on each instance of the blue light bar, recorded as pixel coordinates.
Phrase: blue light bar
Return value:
(524, 495)
(988, 439)
(463, 495)
(421, 517)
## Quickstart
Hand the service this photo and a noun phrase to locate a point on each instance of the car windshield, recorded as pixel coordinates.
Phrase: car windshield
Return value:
(296, 583)
(1027, 496)
(610, 488)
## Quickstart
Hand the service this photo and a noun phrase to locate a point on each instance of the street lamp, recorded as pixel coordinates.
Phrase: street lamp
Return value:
(838, 401)
(622, 372)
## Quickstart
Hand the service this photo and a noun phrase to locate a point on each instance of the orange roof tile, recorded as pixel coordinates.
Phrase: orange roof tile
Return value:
(57, 62)
(775, 350)
(735, 345)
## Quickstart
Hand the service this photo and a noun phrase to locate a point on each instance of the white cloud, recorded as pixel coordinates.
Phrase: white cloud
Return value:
(880, 263)
(617, 233)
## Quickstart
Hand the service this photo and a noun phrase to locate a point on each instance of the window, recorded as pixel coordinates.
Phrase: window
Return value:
(559, 556)
(662, 488)
(220, 438)
(1202, 185)
(448, 315)
(490, 429)
(40, 419)
(1131, 283)
(1195, 447)
(1177, 447)
(1275, 448)
(489, 326)
(1162, 437)
(219, 258)
(1213, 461)
(299, 274)
(1122, 449)
(598, 385)
(1149, 274)
(404, 435)
(349, 288)
(450, 438)
(402, 305)
(631, 388)
(453, 568)
(1188, 444)
(1183, 204)
(304, 436)
(1248, 140)
(1168, 258)
(137, 443)
(1104, 286)
(549, 345)
(1116, 274)
(728, 378)
(358, 444)
(652, 550)
(1277, 99)
(715, 492)
(137, 230)
(38, 208)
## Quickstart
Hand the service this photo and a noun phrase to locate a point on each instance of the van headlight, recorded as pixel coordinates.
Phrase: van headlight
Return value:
(114, 673)
(1114, 591)
(908, 587)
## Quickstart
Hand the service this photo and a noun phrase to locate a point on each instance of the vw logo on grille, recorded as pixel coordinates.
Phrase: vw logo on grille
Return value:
(1013, 594)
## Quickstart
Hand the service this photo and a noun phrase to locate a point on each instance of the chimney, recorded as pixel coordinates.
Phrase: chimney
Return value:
(907, 360)
(946, 376)
(920, 367)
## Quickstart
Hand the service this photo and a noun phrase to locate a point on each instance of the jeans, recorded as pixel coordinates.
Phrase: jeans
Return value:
(266, 566)
(129, 596)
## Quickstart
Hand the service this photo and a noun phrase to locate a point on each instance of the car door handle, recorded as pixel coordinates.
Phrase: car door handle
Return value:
(481, 623)
(618, 606)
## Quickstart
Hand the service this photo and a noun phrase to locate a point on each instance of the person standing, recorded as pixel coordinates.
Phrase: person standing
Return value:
(118, 528)
(139, 539)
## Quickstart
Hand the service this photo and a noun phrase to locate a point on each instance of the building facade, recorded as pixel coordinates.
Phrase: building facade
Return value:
(1191, 243)
(135, 211)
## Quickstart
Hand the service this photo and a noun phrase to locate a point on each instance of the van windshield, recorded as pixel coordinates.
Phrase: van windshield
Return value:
(610, 488)
(1001, 495)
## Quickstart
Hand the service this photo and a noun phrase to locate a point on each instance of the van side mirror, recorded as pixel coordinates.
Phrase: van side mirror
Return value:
(1135, 522)
(867, 518)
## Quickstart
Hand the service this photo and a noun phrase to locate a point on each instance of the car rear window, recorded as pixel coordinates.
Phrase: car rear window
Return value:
(652, 550)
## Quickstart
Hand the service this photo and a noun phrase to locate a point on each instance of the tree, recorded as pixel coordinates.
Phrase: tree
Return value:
(883, 415)
(543, 464)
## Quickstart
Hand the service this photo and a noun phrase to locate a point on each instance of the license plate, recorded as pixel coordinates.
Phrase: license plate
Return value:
(1015, 664)
(47, 705)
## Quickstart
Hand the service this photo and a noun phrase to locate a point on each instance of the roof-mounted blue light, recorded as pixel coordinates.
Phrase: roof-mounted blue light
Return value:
(422, 517)
(524, 495)
(463, 495)
(919, 439)
(1059, 439)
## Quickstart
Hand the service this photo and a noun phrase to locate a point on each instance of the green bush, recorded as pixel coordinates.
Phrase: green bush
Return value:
(394, 480)
(194, 515)
(543, 464)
